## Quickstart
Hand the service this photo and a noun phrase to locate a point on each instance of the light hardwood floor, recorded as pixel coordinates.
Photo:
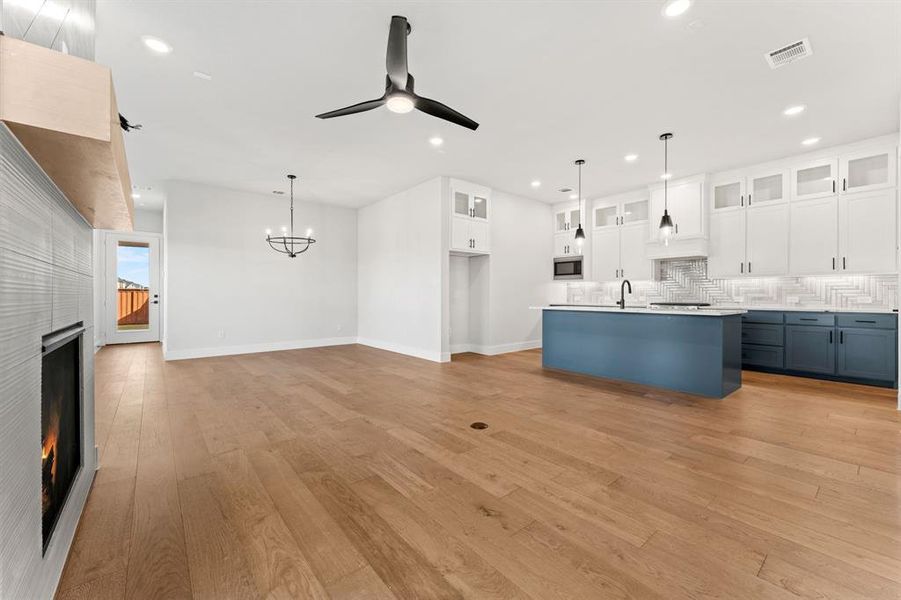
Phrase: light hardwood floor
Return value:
(352, 473)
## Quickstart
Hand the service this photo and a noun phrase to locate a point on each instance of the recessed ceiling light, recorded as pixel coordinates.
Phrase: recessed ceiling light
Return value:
(791, 111)
(666, 176)
(674, 8)
(574, 196)
(631, 157)
(135, 195)
(536, 183)
(141, 204)
(202, 75)
(436, 141)
(156, 44)
(810, 141)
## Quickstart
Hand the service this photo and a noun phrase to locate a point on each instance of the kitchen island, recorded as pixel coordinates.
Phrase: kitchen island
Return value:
(695, 351)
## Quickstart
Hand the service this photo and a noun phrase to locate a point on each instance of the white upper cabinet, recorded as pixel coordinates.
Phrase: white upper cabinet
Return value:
(867, 232)
(685, 205)
(728, 194)
(469, 218)
(619, 239)
(726, 256)
(568, 218)
(767, 187)
(766, 239)
(815, 179)
(813, 236)
(868, 170)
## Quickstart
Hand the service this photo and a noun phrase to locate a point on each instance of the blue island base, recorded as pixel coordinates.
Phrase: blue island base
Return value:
(695, 354)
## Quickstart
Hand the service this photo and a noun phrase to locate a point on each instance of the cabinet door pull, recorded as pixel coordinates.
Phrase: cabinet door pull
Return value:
(742, 200)
(830, 336)
(808, 319)
(844, 184)
(742, 267)
(677, 228)
(864, 321)
(749, 266)
(749, 199)
(833, 263)
(841, 336)
(844, 262)
(833, 186)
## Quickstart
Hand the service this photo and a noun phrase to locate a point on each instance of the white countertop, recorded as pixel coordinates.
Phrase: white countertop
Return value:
(797, 308)
(705, 312)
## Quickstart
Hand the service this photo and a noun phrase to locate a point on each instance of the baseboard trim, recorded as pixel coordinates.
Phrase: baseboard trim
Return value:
(407, 350)
(496, 349)
(255, 348)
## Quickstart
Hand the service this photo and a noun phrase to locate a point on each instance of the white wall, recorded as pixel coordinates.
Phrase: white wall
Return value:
(520, 272)
(150, 221)
(227, 292)
(459, 303)
(402, 283)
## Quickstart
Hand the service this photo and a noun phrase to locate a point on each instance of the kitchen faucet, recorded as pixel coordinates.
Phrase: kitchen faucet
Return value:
(622, 293)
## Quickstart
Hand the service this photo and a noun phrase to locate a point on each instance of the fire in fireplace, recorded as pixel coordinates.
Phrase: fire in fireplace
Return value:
(61, 394)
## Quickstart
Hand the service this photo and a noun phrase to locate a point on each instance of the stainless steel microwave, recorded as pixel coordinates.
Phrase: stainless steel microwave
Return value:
(568, 267)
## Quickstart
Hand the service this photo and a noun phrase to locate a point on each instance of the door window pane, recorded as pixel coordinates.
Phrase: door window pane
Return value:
(727, 195)
(766, 189)
(132, 279)
(461, 204)
(605, 216)
(635, 211)
(870, 170)
(815, 180)
(480, 207)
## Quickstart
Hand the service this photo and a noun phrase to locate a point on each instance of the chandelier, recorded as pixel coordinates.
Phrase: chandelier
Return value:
(287, 242)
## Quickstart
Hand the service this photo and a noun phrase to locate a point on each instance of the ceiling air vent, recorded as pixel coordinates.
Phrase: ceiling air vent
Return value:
(792, 52)
(565, 190)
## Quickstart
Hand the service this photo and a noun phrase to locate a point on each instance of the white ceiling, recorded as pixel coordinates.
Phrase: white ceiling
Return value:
(548, 81)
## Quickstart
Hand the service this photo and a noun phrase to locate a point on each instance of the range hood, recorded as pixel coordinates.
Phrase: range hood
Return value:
(63, 110)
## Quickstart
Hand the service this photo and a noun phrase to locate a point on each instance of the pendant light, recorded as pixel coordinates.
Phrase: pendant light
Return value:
(580, 233)
(288, 243)
(666, 222)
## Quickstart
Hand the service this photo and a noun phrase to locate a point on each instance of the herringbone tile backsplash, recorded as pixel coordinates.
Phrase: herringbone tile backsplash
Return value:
(687, 281)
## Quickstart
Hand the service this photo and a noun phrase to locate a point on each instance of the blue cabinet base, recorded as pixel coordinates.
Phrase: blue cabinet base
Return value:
(858, 380)
(699, 355)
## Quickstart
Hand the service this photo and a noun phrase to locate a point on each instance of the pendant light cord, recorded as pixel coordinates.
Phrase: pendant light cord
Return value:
(580, 195)
(292, 214)
(665, 173)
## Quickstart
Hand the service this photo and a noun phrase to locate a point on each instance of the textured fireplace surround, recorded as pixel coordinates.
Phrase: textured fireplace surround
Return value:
(46, 284)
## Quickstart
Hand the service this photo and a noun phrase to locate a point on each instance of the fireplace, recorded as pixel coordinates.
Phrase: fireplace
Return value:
(61, 400)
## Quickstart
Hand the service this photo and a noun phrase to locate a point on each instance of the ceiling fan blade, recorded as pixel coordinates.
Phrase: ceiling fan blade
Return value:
(356, 108)
(442, 111)
(396, 61)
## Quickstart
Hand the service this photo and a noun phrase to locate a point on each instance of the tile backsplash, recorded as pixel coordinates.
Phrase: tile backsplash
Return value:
(687, 281)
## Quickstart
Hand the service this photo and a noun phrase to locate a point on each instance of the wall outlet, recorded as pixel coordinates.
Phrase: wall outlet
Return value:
(220, 334)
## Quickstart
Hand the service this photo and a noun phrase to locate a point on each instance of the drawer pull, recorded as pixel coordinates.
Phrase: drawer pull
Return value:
(863, 321)
(807, 319)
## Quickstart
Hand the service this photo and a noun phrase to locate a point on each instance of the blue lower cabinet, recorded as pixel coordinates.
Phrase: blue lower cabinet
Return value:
(810, 349)
(755, 355)
(866, 353)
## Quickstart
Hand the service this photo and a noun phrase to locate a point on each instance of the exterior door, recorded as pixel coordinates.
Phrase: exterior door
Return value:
(132, 288)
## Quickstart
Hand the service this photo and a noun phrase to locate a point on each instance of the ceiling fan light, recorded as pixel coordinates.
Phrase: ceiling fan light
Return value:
(399, 103)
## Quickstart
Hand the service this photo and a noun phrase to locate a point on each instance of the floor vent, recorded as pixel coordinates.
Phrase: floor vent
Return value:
(792, 52)
(479, 425)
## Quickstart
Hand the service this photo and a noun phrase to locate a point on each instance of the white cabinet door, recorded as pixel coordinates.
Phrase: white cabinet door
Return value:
(813, 236)
(462, 204)
(574, 218)
(606, 216)
(816, 179)
(685, 208)
(868, 170)
(767, 240)
(867, 229)
(480, 206)
(726, 256)
(728, 194)
(478, 231)
(560, 222)
(605, 254)
(632, 250)
(460, 237)
(562, 242)
(767, 187)
(634, 211)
